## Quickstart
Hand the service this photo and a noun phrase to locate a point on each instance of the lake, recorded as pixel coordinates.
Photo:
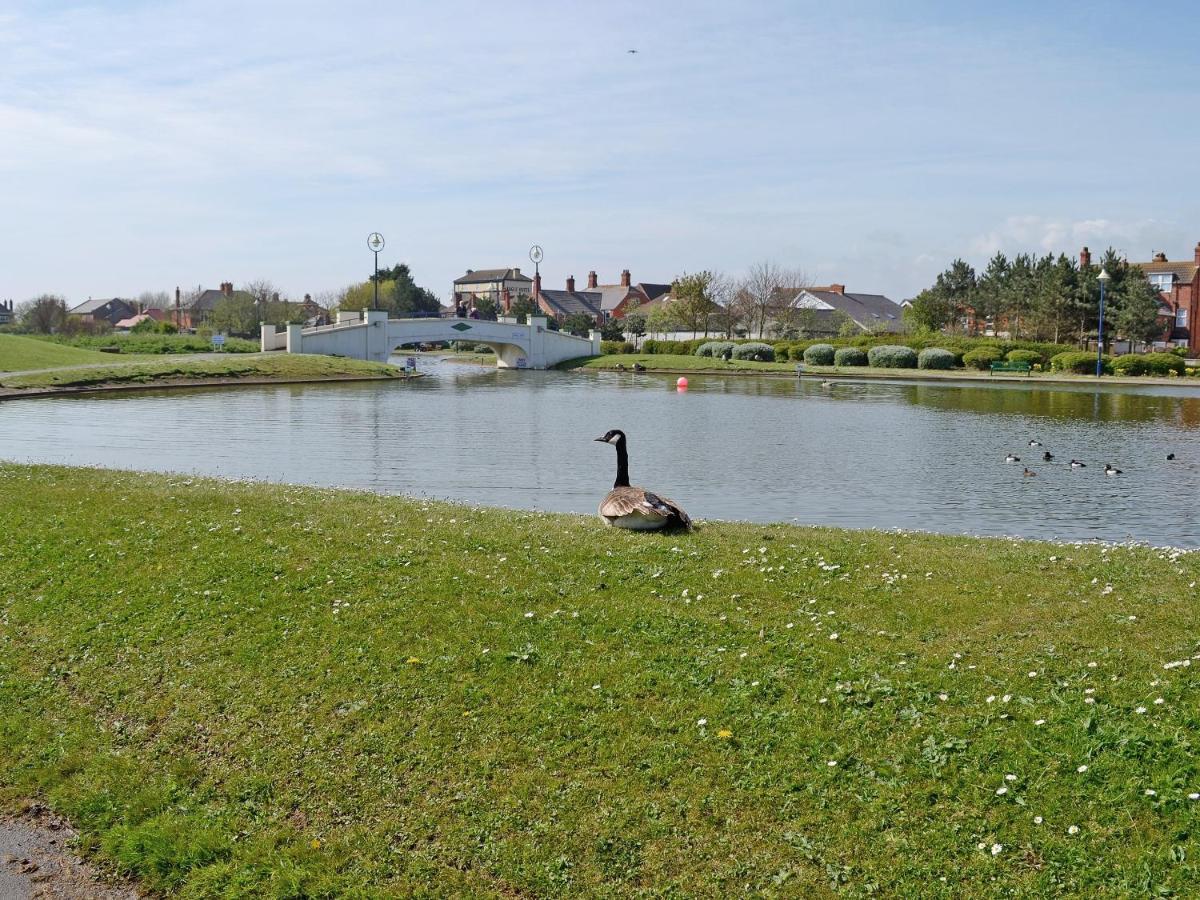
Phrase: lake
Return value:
(914, 455)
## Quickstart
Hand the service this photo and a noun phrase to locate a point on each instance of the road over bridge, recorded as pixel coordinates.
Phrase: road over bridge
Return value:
(370, 334)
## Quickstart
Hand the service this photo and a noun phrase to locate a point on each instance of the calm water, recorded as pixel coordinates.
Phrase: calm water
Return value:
(880, 455)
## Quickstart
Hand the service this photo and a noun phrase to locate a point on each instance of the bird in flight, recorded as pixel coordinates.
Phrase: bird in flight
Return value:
(631, 51)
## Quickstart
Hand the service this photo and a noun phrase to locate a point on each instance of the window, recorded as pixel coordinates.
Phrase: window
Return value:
(1181, 317)
(1163, 281)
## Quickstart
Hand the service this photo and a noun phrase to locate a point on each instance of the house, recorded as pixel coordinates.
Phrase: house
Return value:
(100, 310)
(131, 322)
(200, 309)
(314, 313)
(1178, 285)
(560, 304)
(618, 300)
(7, 314)
(501, 286)
(832, 305)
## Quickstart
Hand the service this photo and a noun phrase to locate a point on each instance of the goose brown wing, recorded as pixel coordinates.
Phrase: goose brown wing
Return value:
(670, 508)
(623, 501)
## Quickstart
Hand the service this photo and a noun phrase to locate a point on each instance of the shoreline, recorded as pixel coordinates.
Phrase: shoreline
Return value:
(255, 381)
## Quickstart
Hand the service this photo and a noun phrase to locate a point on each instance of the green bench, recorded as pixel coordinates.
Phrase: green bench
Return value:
(1024, 367)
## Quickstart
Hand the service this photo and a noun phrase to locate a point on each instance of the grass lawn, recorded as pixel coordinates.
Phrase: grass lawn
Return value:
(247, 690)
(18, 353)
(154, 343)
(155, 371)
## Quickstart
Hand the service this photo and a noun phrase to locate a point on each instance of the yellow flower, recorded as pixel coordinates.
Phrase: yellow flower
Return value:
(315, 844)
(414, 661)
(724, 733)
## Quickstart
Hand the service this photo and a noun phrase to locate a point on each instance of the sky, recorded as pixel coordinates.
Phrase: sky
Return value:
(145, 145)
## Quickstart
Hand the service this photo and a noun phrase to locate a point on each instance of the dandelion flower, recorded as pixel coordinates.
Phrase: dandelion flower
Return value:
(1081, 769)
(1140, 710)
(315, 843)
(414, 661)
(724, 733)
(1037, 820)
(1010, 777)
(1074, 829)
(1159, 701)
(702, 722)
(997, 849)
(833, 636)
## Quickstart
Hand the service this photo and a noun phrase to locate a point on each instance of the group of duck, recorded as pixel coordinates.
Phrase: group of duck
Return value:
(1047, 456)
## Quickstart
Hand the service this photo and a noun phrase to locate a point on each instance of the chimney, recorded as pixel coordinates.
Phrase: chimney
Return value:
(1085, 259)
(570, 284)
(506, 299)
(516, 272)
(275, 297)
(308, 298)
(1197, 257)
(625, 278)
(837, 288)
(592, 278)
(1160, 257)
(227, 288)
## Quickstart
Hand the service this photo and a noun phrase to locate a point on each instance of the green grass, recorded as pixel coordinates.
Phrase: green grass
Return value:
(279, 365)
(19, 353)
(249, 690)
(673, 363)
(154, 343)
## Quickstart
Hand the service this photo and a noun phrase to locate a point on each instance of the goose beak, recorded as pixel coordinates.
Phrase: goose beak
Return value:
(600, 439)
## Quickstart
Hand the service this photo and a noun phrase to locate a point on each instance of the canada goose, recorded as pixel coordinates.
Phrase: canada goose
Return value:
(1012, 458)
(1109, 470)
(620, 367)
(1076, 464)
(825, 382)
(638, 367)
(634, 507)
(1047, 456)
(1035, 443)
(1170, 456)
(1028, 474)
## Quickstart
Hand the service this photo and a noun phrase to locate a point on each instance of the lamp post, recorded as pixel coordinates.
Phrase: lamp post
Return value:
(1103, 279)
(375, 244)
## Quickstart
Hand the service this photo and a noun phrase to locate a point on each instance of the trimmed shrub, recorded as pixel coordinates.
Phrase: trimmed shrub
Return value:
(819, 355)
(935, 358)
(713, 349)
(1025, 356)
(754, 350)
(796, 353)
(1148, 364)
(892, 356)
(607, 347)
(850, 356)
(981, 358)
(1081, 362)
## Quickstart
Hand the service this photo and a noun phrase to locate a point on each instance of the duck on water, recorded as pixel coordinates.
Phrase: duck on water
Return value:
(627, 506)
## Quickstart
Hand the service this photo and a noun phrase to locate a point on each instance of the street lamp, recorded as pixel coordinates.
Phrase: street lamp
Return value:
(375, 243)
(1103, 279)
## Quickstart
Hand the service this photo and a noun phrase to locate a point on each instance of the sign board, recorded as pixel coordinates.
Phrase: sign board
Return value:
(218, 341)
(410, 362)
(522, 363)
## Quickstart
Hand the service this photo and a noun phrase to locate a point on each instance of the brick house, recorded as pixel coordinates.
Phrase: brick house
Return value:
(502, 286)
(618, 300)
(1178, 285)
(100, 310)
(200, 309)
(7, 314)
(560, 304)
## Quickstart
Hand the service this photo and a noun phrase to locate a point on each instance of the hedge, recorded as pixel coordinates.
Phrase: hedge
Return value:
(935, 358)
(819, 355)
(1148, 364)
(714, 349)
(1025, 356)
(755, 351)
(850, 356)
(1081, 362)
(892, 356)
(981, 358)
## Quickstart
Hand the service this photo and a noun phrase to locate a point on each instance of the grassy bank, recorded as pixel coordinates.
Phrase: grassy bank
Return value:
(239, 689)
(20, 353)
(280, 366)
(153, 343)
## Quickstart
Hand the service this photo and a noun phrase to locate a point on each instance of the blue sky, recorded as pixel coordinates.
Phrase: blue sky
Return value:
(149, 144)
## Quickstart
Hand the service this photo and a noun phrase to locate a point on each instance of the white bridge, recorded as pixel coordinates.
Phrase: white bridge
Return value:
(370, 334)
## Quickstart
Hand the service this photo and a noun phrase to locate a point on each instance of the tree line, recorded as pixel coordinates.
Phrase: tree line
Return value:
(1041, 298)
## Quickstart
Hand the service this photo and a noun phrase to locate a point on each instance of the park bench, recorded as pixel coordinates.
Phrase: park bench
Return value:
(1024, 367)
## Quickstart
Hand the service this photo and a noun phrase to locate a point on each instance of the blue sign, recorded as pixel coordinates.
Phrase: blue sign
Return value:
(218, 341)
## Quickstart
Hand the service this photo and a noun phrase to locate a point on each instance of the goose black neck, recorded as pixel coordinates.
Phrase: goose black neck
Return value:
(622, 465)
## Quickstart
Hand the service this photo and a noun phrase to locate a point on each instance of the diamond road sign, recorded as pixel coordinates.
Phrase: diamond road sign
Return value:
(461, 326)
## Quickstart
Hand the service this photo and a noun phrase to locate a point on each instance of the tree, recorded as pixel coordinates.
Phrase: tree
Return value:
(522, 308)
(662, 319)
(694, 302)
(579, 324)
(992, 291)
(931, 310)
(154, 300)
(237, 314)
(759, 294)
(487, 308)
(398, 294)
(1136, 303)
(613, 330)
(957, 285)
(635, 325)
(46, 314)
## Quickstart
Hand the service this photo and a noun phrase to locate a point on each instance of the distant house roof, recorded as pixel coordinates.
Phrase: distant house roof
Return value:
(870, 311)
(132, 320)
(567, 303)
(612, 295)
(92, 306)
(1183, 271)
(210, 298)
(651, 290)
(484, 276)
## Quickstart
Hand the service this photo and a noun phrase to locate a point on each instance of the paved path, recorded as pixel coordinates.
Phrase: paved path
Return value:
(35, 862)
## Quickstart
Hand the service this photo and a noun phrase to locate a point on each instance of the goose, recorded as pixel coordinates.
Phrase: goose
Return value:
(1012, 458)
(1076, 464)
(826, 383)
(1028, 474)
(638, 367)
(1047, 456)
(1109, 470)
(1035, 443)
(636, 508)
(1170, 456)
(620, 367)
